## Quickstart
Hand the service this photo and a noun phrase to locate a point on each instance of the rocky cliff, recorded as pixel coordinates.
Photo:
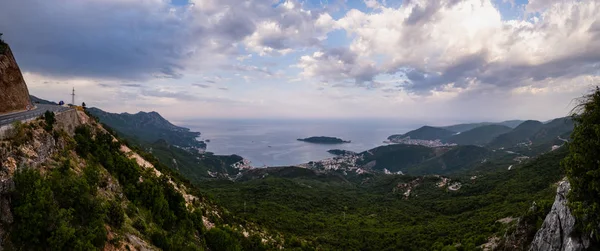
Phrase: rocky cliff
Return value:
(557, 231)
(14, 95)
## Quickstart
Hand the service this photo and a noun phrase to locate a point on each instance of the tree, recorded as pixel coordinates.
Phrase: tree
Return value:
(582, 164)
(83, 105)
(50, 119)
(217, 239)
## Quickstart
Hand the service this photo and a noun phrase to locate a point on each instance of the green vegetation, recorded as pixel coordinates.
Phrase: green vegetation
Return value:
(20, 134)
(396, 157)
(560, 127)
(324, 140)
(479, 136)
(425, 133)
(193, 165)
(70, 204)
(457, 159)
(582, 166)
(60, 211)
(169, 219)
(373, 213)
(520, 134)
(188, 162)
(147, 128)
(49, 119)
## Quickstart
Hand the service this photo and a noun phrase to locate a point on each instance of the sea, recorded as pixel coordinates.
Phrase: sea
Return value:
(274, 142)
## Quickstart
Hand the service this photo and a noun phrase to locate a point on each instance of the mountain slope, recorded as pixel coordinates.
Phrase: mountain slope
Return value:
(471, 126)
(149, 127)
(425, 133)
(521, 134)
(552, 130)
(395, 158)
(71, 185)
(37, 100)
(373, 212)
(457, 159)
(195, 166)
(480, 135)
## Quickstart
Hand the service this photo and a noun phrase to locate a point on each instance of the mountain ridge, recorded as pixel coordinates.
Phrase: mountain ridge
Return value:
(149, 127)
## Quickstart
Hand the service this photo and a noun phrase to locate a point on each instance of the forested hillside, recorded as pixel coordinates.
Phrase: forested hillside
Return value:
(148, 127)
(84, 189)
(394, 212)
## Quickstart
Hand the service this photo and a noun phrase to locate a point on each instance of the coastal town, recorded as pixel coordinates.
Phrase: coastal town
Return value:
(419, 142)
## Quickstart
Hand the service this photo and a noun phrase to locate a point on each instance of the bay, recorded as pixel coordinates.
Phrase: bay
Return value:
(274, 142)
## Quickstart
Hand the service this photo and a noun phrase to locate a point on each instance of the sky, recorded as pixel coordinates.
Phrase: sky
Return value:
(439, 61)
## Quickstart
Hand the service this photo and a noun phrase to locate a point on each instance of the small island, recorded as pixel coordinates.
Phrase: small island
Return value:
(324, 140)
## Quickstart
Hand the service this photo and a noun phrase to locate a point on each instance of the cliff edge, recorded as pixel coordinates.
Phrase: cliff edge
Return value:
(14, 95)
(557, 231)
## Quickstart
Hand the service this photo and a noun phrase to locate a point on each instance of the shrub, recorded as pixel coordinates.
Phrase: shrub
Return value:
(581, 165)
(50, 119)
(217, 239)
(20, 134)
(116, 215)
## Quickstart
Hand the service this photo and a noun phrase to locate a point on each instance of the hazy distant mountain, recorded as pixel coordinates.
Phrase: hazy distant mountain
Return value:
(425, 133)
(445, 132)
(521, 134)
(464, 127)
(553, 129)
(471, 126)
(37, 100)
(480, 135)
(148, 127)
(459, 158)
(510, 123)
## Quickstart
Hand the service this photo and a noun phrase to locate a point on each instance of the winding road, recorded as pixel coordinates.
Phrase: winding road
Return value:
(41, 109)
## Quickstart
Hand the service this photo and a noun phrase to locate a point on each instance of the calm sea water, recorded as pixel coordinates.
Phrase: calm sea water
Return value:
(273, 142)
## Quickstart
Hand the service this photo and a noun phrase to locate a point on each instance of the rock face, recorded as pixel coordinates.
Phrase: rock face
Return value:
(557, 230)
(14, 95)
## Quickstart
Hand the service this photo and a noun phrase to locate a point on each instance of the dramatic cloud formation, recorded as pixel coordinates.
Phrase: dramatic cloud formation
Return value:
(414, 59)
(438, 44)
(149, 38)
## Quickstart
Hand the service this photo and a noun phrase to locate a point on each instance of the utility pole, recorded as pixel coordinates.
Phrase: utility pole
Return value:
(73, 97)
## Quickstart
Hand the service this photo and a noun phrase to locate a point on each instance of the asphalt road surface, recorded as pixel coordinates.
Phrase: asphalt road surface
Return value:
(39, 111)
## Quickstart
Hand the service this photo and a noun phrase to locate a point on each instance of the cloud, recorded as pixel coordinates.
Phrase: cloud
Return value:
(540, 5)
(338, 64)
(452, 44)
(290, 26)
(132, 85)
(372, 4)
(140, 40)
(201, 85)
(163, 93)
(249, 68)
(423, 57)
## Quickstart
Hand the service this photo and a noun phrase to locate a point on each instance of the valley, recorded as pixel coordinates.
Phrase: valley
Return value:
(397, 196)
